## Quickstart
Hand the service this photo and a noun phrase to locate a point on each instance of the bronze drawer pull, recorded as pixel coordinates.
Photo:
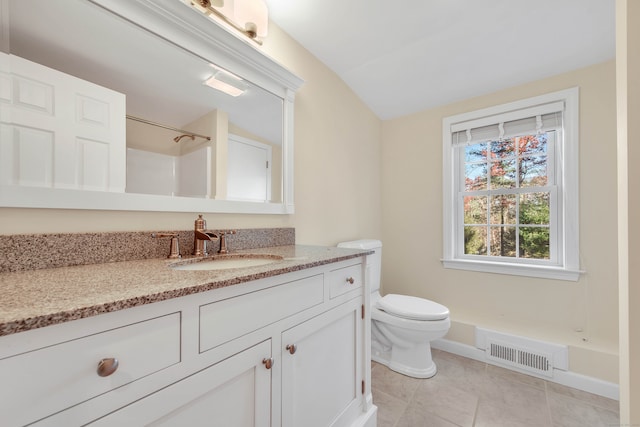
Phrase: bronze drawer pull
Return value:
(107, 366)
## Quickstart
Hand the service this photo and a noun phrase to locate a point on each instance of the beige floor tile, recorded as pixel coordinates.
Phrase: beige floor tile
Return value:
(511, 403)
(417, 416)
(446, 401)
(460, 372)
(491, 415)
(592, 399)
(468, 393)
(390, 409)
(493, 370)
(393, 383)
(503, 392)
(567, 411)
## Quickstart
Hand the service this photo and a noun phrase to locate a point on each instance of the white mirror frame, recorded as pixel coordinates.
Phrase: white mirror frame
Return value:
(180, 24)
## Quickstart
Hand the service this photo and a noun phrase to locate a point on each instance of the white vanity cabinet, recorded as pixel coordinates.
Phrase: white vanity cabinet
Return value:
(322, 369)
(233, 392)
(322, 363)
(279, 351)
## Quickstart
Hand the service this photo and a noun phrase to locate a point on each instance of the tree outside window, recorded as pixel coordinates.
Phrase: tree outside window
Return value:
(506, 204)
(510, 188)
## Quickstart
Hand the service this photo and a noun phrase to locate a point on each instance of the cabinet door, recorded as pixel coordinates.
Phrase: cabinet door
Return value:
(234, 392)
(322, 369)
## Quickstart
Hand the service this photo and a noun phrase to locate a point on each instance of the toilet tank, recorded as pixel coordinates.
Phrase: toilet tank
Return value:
(375, 259)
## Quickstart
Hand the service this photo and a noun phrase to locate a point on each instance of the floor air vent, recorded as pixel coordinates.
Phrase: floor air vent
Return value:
(523, 354)
(521, 358)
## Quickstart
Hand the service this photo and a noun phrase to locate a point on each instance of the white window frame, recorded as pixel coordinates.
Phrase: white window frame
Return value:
(566, 260)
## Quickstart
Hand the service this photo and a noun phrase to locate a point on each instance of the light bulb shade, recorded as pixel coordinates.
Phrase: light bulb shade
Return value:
(226, 9)
(227, 83)
(252, 15)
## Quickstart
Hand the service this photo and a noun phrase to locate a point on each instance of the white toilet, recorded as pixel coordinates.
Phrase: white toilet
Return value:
(402, 327)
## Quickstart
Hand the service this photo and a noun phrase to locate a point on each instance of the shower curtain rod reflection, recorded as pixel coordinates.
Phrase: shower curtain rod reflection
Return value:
(185, 133)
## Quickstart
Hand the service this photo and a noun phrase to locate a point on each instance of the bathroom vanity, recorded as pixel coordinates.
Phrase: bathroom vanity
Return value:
(278, 344)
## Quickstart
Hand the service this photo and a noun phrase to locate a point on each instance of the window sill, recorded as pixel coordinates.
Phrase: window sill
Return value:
(543, 272)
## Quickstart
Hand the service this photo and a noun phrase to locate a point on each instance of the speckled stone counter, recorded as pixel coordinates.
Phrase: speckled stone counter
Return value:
(35, 251)
(36, 298)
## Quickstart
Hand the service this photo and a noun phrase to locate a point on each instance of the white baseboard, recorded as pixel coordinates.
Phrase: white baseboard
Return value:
(566, 378)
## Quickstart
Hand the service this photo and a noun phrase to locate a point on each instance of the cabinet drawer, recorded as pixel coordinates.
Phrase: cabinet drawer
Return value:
(53, 378)
(230, 393)
(345, 279)
(224, 320)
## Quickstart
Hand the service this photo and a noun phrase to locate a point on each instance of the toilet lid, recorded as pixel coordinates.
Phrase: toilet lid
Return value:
(412, 307)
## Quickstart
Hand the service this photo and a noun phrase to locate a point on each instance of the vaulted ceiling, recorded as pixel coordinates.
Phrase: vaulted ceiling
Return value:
(409, 55)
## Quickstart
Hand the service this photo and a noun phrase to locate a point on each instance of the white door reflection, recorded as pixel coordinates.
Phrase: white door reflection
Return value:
(249, 169)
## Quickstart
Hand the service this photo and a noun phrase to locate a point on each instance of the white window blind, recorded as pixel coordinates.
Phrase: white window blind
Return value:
(502, 130)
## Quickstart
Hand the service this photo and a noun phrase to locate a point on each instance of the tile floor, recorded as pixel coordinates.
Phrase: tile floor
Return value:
(468, 393)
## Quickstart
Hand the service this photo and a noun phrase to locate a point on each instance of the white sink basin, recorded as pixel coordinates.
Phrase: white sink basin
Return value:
(225, 263)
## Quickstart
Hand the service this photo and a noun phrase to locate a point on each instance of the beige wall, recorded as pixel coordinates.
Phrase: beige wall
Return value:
(337, 170)
(583, 314)
(337, 162)
(628, 96)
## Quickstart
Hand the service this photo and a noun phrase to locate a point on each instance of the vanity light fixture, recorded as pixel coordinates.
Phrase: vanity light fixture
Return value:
(250, 17)
(226, 82)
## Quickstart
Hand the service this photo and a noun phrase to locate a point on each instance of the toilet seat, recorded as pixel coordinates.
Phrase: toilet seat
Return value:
(414, 308)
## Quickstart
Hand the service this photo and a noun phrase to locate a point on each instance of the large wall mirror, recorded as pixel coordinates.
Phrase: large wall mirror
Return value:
(174, 112)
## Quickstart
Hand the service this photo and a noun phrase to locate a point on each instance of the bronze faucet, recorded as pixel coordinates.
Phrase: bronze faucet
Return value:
(202, 236)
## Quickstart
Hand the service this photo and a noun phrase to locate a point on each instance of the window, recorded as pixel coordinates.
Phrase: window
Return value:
(511, 188)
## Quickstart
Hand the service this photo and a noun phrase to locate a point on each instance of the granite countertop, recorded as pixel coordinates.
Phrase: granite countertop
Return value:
(37, 298)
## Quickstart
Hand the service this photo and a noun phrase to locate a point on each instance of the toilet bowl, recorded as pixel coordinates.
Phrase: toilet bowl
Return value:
(402, 326)
(401, 338)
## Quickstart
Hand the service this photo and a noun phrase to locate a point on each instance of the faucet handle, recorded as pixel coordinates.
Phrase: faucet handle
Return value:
(174, 251)
(223, 240)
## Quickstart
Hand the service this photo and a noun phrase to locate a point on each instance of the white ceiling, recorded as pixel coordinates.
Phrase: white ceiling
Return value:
(409, 55)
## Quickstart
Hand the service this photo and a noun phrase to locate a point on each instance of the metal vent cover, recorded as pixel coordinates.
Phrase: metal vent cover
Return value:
(527, 359)
(524, 354)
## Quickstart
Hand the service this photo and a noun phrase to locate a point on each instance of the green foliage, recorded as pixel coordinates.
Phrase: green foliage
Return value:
(534, 208)
(534, 241)
(512, 163)
(474, 241)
